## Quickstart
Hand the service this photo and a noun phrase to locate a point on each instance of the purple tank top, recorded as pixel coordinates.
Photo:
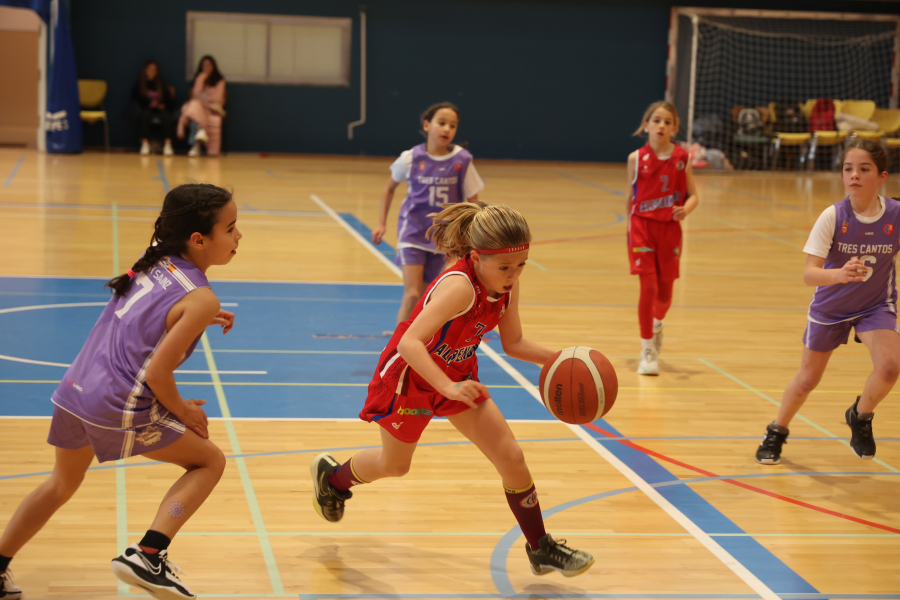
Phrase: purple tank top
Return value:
(876, 245)
(105, 384)
(431, 184)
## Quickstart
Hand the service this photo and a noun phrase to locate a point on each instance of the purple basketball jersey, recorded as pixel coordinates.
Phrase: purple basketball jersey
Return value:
(431, 184)
(876, 245)
(105, 384)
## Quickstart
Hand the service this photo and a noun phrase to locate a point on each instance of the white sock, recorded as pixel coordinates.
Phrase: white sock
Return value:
(646, 344)
(657, 324)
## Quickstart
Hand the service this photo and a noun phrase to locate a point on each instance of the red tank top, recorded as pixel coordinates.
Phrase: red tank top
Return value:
(659, 184)
(452, 347)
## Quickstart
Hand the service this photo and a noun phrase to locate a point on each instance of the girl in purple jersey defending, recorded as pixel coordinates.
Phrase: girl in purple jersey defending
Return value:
(438, 173)
(851, 253)
(119, 398)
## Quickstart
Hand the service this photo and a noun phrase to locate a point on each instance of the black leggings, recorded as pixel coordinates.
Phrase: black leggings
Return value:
(146, 123)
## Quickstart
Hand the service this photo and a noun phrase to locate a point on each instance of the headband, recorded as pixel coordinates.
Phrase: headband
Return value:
(503, 250)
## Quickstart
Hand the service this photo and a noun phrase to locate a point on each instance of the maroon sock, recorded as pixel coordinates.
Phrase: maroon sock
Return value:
(527, 510)
(343, 478)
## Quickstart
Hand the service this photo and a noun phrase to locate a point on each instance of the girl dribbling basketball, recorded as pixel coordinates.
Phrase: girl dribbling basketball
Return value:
(661, 193)
(438, 172)
(429, 368)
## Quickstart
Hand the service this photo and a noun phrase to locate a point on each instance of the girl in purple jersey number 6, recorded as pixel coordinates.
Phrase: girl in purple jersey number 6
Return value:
(119, 397)
(850, 258)
(439, 173)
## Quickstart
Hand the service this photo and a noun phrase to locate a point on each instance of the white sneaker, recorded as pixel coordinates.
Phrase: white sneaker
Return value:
(145, 149)
(201, 136)
(658, 338)
(195, 149)
(152, 572)
(8, 590)
(649, 364)
(167, 150)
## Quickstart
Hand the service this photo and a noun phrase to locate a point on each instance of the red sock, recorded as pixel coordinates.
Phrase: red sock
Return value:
(344, 478)
(527, 510)
(649, 292)
(663, 299)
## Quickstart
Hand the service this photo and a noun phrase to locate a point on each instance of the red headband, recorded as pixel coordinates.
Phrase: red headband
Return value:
(503, 250)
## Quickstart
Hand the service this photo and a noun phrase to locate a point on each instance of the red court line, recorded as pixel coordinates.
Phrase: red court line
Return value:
(739, 483)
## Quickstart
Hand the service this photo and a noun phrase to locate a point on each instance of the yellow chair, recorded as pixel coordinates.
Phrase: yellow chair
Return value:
(91, 93)
(787, 139)
(888, 121)
(864, 109)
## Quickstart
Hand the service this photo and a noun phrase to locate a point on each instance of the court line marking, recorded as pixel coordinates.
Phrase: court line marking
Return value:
(15, 170)
(618, 193)
(701, 536)
(255, 512)
(356, 235)
(122, 519)
(624, 534)
(751, 488)
(757, 233)
(280, 281)
(738, 568)
(752, 196)
(162, 176)
(184, 372)
(801, 417)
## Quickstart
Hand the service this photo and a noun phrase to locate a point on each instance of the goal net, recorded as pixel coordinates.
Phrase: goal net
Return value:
(724, 62)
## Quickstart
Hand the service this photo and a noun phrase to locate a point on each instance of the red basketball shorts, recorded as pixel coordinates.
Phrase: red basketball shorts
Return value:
(654, 247)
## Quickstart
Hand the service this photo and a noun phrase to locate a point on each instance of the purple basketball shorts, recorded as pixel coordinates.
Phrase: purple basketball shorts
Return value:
(825, 338)
(434, 262)
(71, 433)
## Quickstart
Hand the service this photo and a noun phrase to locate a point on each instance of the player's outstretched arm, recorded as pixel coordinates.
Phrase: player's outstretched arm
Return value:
(514, 344)
(452, 296)
(814, 274)
(679, 213)
(629, 195)
(387, 197)
(192, 315)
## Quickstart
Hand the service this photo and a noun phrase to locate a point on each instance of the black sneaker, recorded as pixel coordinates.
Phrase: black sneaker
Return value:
(861, 441)
(151, 572)
(328, 501)
(556, 556)
(9, 590)
(769, 451)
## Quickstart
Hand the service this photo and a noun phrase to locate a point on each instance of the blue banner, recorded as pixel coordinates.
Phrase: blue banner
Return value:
(63, 119)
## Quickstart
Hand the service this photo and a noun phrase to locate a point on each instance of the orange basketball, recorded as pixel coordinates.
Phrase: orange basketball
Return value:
(578, 385)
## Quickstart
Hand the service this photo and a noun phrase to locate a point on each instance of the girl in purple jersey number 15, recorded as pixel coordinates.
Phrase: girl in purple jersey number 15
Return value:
(850, 259)
(119, 397)
(438, 173)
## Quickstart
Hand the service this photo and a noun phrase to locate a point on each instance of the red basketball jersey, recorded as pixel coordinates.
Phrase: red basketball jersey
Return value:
(659, 184)
(452, 347)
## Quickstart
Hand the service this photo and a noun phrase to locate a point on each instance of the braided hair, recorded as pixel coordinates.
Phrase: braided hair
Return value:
(188, 209)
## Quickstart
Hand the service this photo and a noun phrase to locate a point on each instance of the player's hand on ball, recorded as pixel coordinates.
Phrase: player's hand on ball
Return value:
(377, 234)
(853, 270)
(467, 392)
(194, 417)
(678, 213)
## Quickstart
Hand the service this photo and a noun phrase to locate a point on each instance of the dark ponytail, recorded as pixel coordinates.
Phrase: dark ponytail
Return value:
(429, 113)
(188, 209)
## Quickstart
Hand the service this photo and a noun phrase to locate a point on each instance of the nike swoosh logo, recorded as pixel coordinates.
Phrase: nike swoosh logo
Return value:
(150, 568)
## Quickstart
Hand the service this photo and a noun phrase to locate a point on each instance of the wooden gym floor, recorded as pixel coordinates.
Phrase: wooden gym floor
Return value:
(664, 492)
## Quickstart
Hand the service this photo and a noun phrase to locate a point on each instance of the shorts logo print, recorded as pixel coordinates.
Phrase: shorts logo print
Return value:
(149, 436)
(397, 425)
(414, 412)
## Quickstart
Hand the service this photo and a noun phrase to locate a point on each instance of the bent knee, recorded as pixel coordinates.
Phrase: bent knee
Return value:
(512, 459)
(217, 461)
(889, 370)
(412, 296)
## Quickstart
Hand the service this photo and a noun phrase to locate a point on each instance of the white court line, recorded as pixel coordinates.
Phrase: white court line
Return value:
(701, 536)
(368, 245)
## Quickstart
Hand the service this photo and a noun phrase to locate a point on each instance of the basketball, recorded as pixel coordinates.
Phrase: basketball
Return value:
(578, 385)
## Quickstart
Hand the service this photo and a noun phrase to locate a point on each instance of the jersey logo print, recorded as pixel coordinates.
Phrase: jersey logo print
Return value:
(480, 327)
(889, 229)
(845, 227)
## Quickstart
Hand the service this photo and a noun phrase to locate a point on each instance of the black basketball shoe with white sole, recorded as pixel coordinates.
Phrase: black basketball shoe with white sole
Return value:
(862, 442)
(152, 572)
(553, 555)
(769, 451)
(328, 501)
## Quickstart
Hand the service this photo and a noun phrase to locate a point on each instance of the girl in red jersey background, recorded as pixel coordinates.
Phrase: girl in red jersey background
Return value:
(429, 368)
(661, 193)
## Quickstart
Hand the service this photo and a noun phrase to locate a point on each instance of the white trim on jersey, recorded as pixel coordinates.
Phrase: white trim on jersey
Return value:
(177, 274)
(138, 387)
(444, 276)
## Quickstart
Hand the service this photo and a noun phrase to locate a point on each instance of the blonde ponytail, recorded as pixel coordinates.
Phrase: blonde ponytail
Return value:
(466, 225)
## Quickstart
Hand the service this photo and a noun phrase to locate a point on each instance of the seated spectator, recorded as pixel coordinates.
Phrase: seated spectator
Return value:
(154, 99)
(204, 111)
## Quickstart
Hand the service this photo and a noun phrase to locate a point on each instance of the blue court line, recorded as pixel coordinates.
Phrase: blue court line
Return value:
(290, 213)
(798, 415)
(364, 231)
(752, 196)
(619, 193)
(162, 176)
(767, 567)
(15, 170)
(66, 205)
